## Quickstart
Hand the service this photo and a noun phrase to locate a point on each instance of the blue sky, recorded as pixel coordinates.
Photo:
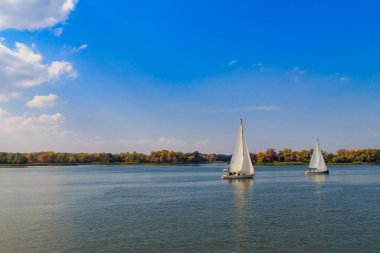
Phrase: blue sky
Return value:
(119, 76)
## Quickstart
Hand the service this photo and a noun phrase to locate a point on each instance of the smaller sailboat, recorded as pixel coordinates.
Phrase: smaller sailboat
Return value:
(317, 163)
(241, 165)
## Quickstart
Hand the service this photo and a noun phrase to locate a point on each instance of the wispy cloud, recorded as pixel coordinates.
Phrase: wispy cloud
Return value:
(3, 112)
(78, 49)
(263, 108)
(259, 66)
(232, 62)
(343, 78)
(58, 32)
(4, 97)
(297, 74)
(201, 143)
(250, 108)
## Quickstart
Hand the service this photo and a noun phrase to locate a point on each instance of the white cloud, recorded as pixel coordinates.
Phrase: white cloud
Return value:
(50, 119)
(341, 78)
(4, 97)
(263, 108)
(259, 66)
(24, 133)
(58, 31)
(34, 14)
(58, 68)
(232, 62)
(43, 101)
(80, 48)
(22, 67)
(297, 73)
(17, 122)
(14, 126)
(101, 144)
(3, 112)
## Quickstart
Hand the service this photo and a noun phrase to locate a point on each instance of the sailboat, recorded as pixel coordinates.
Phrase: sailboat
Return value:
(317, 163)
(241, 165)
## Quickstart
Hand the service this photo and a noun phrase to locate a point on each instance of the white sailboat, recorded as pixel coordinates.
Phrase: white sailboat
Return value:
(241, 165)
(317, 163)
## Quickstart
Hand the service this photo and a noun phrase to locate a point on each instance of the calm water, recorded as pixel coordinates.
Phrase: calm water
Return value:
(188, 209)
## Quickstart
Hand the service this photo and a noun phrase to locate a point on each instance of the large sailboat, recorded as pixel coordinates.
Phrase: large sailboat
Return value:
(317, 163)
(241, 165)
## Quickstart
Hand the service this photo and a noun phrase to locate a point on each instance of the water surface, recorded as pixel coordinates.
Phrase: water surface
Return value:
(188, 209)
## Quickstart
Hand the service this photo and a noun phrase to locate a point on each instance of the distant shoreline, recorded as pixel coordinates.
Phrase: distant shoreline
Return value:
(284, 164)
(270, 157)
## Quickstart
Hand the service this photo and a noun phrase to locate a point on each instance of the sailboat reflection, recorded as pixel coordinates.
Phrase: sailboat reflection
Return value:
(318, 180)
(241, 191)
(318, 183)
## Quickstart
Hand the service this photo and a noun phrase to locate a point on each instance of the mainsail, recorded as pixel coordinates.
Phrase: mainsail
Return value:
(241, 161)
(317, 161)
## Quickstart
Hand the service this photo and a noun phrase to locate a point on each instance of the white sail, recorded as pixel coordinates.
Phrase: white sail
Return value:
(247, 163)
(314, 161)
(317, 161)
(321, 165)
(241, 161)
(236, 163)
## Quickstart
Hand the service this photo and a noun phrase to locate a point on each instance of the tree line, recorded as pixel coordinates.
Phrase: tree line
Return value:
(163, 156)
(303, 156)
(270, 156)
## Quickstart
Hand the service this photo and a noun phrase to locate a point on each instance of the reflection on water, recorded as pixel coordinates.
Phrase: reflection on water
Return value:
(318, 180)
(241, 189)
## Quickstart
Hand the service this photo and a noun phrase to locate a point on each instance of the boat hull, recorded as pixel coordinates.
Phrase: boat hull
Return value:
(226, 176)
(316, 172)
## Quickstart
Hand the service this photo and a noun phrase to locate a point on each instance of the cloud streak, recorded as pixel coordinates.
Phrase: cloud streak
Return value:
(252, 108)
(58, 32)
(78, 49)
(3, 112)
(232, 62)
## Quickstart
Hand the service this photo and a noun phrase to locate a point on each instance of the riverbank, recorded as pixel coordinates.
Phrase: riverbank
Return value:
(269, 157)
(176, 164)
